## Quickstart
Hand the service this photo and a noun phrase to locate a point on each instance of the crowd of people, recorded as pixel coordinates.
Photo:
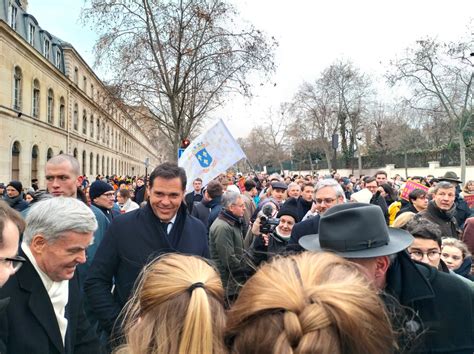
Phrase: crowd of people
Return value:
(244, 264)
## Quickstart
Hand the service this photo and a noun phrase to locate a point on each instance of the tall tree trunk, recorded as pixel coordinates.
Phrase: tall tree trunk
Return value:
(359, 157)
(462, 155)
(328, 155)
(342, 131)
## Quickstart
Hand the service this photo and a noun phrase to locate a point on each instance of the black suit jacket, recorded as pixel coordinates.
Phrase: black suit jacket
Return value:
(29, 324)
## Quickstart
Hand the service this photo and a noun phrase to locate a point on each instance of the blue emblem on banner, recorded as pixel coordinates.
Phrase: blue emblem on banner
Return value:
(204, 158)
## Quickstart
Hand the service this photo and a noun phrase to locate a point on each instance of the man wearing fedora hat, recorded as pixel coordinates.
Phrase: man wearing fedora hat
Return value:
(443, 306)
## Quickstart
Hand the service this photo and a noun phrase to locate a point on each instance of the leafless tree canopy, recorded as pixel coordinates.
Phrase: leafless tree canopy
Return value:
(177, 58)
(440, 77)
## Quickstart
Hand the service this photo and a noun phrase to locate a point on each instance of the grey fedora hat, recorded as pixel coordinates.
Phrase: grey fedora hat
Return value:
(356, 230)
(450, 176)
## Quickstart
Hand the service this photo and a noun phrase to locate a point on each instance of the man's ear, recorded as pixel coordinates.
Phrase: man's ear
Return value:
(381, 266)
(79, 181)
(37, 243)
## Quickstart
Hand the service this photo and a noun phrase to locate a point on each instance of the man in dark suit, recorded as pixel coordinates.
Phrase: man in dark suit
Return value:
(45, 314)
(195, 195)
(327, 193)
(136, 238)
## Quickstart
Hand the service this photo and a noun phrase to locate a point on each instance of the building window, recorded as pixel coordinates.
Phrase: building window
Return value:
(36, 98)
(49, 154)
(92, 91)
(76, 76)
(84, 83)
(98, 129)
(31, 34)
(75, 122)
(17, 88)
(92, 126)
(91, 164)
(58, 59)
(13, 14)
(46, 48)
(62, 113)
(108, 136)
(50, 106)
(84, 122)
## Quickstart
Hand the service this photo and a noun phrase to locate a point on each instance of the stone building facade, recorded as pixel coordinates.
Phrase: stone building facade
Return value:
(51, 102)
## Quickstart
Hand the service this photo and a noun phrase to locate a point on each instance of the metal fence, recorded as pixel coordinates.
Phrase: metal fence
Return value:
(446, 157)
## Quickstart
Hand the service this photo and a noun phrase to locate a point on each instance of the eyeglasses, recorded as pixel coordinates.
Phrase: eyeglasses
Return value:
(325, 200)
(109, 195)
(418, 255)
(14, 262)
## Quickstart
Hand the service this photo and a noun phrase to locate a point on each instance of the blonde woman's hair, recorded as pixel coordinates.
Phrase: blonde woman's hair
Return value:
(176, 308)
(454, 242)
(466, 186)
(309, 303)
(403, 219)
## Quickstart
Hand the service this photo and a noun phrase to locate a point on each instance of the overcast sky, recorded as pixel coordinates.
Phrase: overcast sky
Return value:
(311, 34)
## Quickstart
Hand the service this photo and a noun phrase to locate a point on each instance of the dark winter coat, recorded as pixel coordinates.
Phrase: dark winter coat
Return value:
(443, 307)
(303, 207)
(259, 253)
(132, 240)
(226, 247)
(377, 199)
(444, 219)
(462, 211)
(216, 206)
(201, 210)
(465, 268)
(407, 208)
(191, 198)
(17, 203)
(303, 228)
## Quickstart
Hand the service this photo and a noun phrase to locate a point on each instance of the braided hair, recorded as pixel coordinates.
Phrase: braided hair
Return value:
(309, 303)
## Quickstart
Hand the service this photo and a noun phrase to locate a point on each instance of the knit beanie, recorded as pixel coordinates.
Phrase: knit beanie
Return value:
(290, 207)
(17, 185)
(98, 188)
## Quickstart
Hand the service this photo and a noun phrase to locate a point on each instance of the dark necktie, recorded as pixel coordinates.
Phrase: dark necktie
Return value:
(164, 226)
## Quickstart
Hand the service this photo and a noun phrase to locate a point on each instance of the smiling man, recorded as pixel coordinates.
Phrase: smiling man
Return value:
(135, 238)
(45, 314)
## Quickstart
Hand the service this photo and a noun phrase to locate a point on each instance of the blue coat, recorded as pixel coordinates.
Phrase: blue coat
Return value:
(132, 241)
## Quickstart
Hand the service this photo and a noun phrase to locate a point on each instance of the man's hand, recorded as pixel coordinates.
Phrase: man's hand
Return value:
(256, 227)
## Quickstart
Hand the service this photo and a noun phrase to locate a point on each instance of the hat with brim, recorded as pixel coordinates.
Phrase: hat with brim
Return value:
(356, 230)
(279, 185)
(450, 176)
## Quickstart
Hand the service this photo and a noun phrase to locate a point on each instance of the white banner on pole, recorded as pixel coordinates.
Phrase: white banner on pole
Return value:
(210, 154)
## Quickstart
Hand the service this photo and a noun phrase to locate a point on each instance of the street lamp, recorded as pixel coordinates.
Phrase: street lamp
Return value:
(147, 163)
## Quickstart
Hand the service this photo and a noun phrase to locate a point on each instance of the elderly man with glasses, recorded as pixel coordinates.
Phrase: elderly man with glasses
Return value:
(327, 193)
